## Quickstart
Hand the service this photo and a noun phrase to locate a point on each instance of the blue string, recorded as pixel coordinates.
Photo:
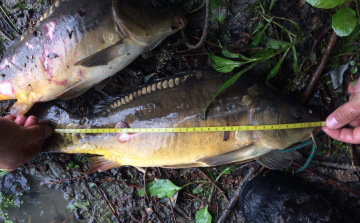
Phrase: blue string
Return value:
(302, 145)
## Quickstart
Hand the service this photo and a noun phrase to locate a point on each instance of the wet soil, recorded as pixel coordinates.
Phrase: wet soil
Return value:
(52, 185)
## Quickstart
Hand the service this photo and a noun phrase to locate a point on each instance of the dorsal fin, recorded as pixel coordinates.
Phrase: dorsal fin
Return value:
(160, 84)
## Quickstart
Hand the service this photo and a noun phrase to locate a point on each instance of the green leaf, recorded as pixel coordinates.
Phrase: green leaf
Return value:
(354, 83)
(227, 53)
(259, 26)
(227, 170)
(271, 4)
(78, 204)
(348, 49)
(203, 216)
(354, 35)
(326, 4)
(227, 84)
(257, 38)
(321, 152)
(147, 78)
(3, 172)
(277, 44)
(354, 70)
(276, 69)
(344, 21)
(197, 190)
(161, 188)
(223, 65)
(352, 62)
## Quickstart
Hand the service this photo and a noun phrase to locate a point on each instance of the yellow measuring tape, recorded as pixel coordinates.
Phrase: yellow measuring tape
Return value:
(196, 129)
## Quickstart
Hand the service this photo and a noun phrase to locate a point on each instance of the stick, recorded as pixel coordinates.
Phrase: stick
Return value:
(333, 182)
(318, 40)
(107, 203)
(213, 183)
(356, 169)
(334, 165)
(317, 74)
(235, 198)
(5, 35)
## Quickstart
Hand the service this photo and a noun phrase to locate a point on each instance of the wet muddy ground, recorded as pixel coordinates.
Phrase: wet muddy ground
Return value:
(51, 186)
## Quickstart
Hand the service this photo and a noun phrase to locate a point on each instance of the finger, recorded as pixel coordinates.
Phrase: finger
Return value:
(355, 122)
(10, 117)
(36, 133)
(42, 123)
(351, 97)
(344, 114)
(29, 152)
(351, 88)
(30, 121)
(344, 134)
(20, 120)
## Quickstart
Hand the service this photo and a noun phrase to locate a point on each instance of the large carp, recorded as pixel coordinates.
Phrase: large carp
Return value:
(179, 101)
(78, 43)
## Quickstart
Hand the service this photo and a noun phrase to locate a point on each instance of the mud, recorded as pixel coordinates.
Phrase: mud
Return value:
(48, 192)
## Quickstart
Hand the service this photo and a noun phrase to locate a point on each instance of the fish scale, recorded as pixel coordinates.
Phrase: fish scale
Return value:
(181, 105)
(77, 44)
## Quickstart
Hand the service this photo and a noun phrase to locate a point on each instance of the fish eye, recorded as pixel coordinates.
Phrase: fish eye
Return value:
(310, 111)
(298, 113)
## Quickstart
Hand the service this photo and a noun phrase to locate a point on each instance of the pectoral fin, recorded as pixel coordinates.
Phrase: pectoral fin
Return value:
(277, 159)
(102, 57)
(244, 153)
(101, 164)
(73, 91)
(20, 108)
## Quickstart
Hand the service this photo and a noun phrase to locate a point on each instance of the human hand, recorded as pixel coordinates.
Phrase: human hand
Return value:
(348, 113)
(21, 140)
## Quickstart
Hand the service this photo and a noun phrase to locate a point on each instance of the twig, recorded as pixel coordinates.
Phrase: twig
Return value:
(88, 190)
(325, 95)
(211, 43)
(333, 182)
(317, 74)
(12, 24)
(318, 40)
(334, 165)
(172, 209)
(5, 35)
(356, 169)
(68, 219)
(214, 184)
(146, 198)
(107, 203)
(235, 198)
(203, 37)
(60, 181)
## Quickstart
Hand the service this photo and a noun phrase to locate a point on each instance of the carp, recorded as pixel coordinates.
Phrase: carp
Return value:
(77, 44)
(179, 101)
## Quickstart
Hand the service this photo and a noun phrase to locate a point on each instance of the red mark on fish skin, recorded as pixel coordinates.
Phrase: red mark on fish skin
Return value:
(124, 137)
(6, 88)
(63, 82)
(81, 73)
(46, 64)
(51, 29)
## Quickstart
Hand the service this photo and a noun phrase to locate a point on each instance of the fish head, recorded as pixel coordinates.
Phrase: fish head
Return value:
(282, 112)
(142, 21)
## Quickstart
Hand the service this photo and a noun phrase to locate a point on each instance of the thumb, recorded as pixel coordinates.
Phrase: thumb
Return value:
(344, 114)
(36, 133)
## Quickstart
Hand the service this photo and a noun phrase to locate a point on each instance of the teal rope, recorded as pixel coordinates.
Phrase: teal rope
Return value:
(302, 145)
(312, 154)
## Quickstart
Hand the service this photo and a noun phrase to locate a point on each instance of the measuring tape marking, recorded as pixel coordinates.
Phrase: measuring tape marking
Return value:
(196, 129)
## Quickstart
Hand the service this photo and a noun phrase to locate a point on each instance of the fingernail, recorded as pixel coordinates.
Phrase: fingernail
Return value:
(332, 123)
(48, 131)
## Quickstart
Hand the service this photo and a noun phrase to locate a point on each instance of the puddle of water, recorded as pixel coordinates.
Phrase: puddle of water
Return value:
(41, 204)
